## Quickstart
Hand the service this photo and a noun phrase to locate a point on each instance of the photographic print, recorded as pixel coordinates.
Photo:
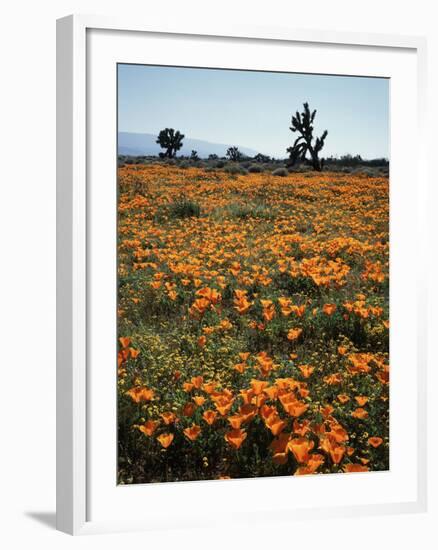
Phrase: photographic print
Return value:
(253, 274)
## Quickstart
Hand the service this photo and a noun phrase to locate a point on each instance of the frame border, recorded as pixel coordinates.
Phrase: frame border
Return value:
(71, 265)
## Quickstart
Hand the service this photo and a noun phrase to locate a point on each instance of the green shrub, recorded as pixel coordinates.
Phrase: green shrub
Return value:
(282, 172)
(255, 169)
(184, 208)
(232, 169)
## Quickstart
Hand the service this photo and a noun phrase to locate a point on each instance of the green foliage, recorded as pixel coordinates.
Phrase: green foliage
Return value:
(234, 154)
(282, 172)
(184, 208)
(255, 169)
(171, 141)
(303, 124)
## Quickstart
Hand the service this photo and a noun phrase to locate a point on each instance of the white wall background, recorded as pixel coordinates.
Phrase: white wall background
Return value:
(27, 295)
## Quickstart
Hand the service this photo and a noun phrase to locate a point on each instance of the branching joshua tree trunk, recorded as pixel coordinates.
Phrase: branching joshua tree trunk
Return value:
(171, 141)
(234, 154)
(303, 124)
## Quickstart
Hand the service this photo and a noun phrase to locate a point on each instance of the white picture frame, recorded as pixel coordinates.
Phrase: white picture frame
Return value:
(75, 217)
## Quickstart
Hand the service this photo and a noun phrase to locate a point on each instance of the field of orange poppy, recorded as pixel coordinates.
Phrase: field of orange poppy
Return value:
(253, 323)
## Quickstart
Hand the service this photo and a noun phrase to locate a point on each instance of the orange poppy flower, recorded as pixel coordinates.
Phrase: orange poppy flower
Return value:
(209, 416)
(269, 312)
(223, 405)
(294, 333)
(202, 340)
(306, 370)
(333, 379)
(337, 453)
(168, 417)
(349, 468)
(197, 382)
(247, 395)
(329, 309)
(301, 428)
(248, 411)
(240, 367)
(199, 400)
(140, 393)
(134, 352)
(271, 392)
(209, 388)
(236, 421)
(296, 408)
(235, 438)
(149, 427)
(375, 441)
(361, 400)
(338, 433)
(258, 386)
(335, 450)
(124, 341)
(360, 413)
(314, 462)
(165, 439)
(279, 448)
(189, 409)
(192, 432)
(342, 350)
(275, 424)
(241, 303)
(266, 411)
(225, 324)
(244, 355)
(188, 387)
(300, 448)
(343, 398)
(327, 410)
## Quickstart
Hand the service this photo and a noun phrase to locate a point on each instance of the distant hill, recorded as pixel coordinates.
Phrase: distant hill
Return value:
(144, 144)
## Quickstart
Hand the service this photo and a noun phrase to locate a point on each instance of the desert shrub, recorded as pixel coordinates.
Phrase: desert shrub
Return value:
(220, 164)
(233, 169)
(282, 172)
(242, 211)
(184, 164)
(255, 169)
(184, 208)
(366, 171)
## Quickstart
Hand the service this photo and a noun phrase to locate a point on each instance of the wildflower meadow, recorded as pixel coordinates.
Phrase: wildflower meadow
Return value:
(253, 322)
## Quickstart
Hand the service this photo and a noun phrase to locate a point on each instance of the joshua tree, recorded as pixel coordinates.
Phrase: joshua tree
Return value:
(171, 141)
(233, 153)
(194, 155)
(303, 124)
(262, 158)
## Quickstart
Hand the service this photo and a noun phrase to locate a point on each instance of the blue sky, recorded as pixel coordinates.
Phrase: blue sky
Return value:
(253, 109)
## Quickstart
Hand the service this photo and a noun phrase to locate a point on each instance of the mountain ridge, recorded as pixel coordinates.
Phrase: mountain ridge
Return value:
(136, 144)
